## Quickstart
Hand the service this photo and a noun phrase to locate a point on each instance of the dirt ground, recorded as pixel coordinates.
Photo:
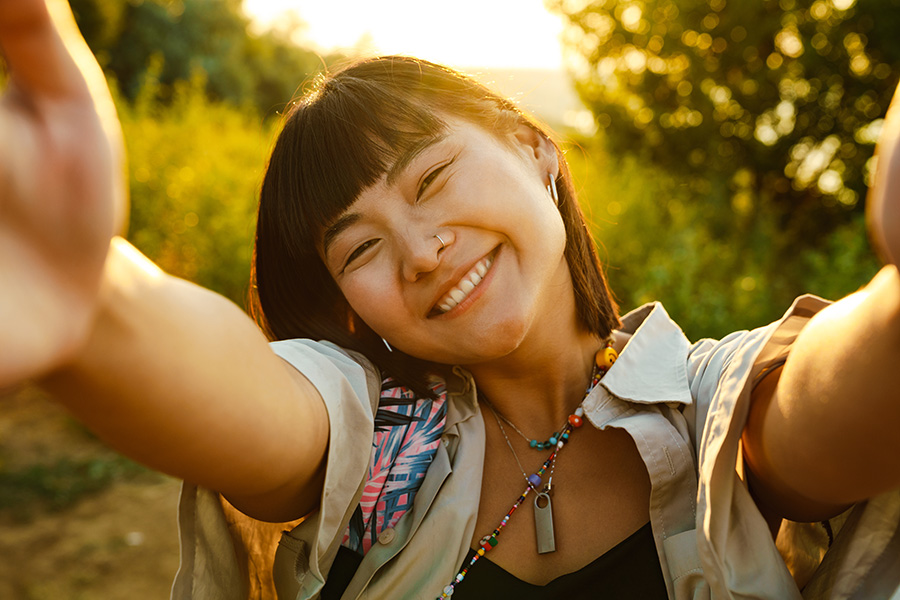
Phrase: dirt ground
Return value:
(114, 543)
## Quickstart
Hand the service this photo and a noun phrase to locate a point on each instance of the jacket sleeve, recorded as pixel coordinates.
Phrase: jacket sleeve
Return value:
(739, 557)
(226, 555)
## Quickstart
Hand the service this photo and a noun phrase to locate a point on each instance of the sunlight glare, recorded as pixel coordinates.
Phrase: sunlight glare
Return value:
(465, 33)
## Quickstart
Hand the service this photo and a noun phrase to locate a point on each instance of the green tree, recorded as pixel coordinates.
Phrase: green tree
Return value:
(195, 166)
(189, 36)
(781, 100)
(657, 243)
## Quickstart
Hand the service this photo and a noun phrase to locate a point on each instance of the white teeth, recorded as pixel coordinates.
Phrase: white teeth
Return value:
(466, 285)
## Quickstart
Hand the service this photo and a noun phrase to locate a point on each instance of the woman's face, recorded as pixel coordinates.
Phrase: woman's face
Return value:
(501, 269)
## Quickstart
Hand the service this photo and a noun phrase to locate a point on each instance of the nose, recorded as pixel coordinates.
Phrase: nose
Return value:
(423, 256)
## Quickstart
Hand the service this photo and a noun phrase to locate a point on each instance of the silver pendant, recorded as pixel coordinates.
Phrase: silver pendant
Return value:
(543, 524)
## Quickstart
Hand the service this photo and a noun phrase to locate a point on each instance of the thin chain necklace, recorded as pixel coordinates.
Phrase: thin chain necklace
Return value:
(497, 418)
(532, 442)
(603, 360)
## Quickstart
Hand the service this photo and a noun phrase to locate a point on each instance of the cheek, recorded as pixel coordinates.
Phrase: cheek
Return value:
(549, 226)
(375, 301)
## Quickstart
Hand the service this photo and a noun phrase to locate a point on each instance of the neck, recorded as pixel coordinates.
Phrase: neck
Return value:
(540, 384)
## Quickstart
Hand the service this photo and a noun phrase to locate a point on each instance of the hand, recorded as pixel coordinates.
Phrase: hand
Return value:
(62, 191)
(883, 208)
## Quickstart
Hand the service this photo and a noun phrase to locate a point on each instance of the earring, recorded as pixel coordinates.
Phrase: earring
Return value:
(551, 188)
(388, 346)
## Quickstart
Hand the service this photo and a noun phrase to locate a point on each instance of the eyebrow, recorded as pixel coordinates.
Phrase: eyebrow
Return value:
(403, 161)
(408, 155)
(343, 222)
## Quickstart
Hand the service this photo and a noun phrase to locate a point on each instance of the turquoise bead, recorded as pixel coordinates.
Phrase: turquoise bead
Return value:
(553, 441)
(533, 443)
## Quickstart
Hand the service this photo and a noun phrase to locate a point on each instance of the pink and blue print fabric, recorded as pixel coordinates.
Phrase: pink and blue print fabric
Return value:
(408, 431)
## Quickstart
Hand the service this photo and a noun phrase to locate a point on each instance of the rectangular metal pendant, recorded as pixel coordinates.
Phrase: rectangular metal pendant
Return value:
(543, 524)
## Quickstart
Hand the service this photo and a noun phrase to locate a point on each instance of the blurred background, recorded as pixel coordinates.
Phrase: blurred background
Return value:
(721, 149)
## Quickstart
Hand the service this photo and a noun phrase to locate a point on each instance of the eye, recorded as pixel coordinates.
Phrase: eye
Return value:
(358, 252)
(428, 180)
(431, 177)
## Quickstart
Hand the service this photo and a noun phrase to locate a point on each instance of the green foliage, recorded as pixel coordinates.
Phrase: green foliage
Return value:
(786, 94)
(840, 265)
(101, 23)
(192, 83)
(195, 166)
(187, 36)
(666, 237)
(61, 484)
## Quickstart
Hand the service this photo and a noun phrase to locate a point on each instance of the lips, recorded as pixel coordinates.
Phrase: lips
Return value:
(465, 286)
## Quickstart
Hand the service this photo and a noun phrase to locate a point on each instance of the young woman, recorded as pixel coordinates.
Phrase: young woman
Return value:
(476, 420)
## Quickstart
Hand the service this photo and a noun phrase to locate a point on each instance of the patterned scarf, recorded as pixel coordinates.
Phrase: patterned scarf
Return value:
(408, 431)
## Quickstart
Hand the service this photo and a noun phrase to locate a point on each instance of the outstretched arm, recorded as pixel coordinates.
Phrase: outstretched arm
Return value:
(167, 372)
(180, 379)
(823, 433)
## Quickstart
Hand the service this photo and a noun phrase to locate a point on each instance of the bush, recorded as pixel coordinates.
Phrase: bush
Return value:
(195, 167)
(662, 238)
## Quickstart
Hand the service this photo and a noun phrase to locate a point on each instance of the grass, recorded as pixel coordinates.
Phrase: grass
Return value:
(61, 484)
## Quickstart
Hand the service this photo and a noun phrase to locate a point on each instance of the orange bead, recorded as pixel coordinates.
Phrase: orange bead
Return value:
(605, 358)
(575, 421)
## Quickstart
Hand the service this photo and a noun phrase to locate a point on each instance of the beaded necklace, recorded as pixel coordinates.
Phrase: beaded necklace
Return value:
(532, 443)
(603, 360)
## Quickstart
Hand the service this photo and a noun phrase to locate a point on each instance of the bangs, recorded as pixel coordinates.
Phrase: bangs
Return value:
(349, 133)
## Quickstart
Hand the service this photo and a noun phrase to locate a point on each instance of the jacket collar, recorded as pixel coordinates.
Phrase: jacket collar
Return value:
(652, 367)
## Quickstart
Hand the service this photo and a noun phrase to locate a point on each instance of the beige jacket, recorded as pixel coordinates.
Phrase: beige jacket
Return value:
(684, 405)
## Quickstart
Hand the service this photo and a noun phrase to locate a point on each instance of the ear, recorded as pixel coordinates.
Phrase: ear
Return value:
(537, 149)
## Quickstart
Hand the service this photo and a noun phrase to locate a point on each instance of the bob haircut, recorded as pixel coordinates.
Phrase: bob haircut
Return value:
(339, 139)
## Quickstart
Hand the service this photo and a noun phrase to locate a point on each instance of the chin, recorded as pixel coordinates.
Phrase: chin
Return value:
(498, 341)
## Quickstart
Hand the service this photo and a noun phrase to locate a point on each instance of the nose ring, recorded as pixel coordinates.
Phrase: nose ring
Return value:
(443, 245)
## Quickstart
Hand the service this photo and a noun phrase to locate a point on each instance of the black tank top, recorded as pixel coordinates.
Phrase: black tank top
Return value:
(629, 570)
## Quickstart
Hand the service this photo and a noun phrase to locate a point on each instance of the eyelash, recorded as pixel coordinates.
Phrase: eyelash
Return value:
(429, 179)
(358, 251)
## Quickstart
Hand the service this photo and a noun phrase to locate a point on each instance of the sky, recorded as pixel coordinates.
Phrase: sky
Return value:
(459, 33)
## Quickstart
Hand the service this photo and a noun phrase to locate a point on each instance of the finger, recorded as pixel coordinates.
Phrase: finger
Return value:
(52, 67)
(45, 53)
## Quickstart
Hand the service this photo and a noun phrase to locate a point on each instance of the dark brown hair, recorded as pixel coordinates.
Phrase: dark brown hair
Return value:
(337, 140)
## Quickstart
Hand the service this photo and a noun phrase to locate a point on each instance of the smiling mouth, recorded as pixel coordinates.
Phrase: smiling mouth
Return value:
(465, 286)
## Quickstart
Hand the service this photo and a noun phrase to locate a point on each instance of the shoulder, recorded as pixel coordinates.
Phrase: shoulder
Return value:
(335, 372)
(660, 364)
